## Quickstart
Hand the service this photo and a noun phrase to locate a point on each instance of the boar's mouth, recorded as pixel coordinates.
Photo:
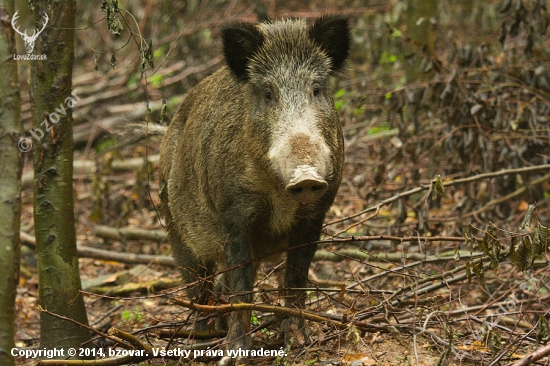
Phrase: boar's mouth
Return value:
(306, 185)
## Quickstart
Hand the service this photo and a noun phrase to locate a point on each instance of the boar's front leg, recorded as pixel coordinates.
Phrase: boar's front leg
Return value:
(297, 266)
(240, 282)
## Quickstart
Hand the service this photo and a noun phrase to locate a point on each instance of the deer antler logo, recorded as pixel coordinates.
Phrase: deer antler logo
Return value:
(29, 40)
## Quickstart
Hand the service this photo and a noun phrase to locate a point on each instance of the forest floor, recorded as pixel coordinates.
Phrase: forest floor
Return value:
(374, 285)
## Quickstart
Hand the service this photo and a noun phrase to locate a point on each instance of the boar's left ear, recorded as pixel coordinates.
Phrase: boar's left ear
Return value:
(331, 32)
(240, 42)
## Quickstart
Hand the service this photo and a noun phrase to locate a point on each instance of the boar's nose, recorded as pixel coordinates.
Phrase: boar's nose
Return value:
(307, 189)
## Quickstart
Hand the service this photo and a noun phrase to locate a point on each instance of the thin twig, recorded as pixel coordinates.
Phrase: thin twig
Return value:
(424, 187)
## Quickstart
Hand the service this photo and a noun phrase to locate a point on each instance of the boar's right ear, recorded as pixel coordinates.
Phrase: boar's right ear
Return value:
(331, 32)
(240, 41)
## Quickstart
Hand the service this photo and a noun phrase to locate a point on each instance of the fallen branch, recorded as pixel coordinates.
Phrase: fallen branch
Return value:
(84, 251)
(533, 357)
(108, 255)
(227, 308)
(132, 287)
(86, 167)
(362, 255)
(129, 233)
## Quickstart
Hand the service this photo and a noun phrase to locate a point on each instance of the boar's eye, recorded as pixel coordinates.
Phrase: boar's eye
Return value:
(268, 95)
(316, 90)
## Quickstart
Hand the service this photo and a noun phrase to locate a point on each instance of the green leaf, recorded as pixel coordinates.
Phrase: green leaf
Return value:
(339, 94)
(132, 81)
(396, 33)
(479, 270)
(105, 145)
(376, 129)
(387, 58)
(491, 247)
(156, 80)
(519, 253)
(159, 51)
(113, 23)
(254, 320)
(438, 187)
(526, 222)
(137, 314)
(148, 55)
(540, 240)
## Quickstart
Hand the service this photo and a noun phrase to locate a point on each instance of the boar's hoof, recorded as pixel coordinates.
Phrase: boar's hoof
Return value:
(307, 190)
(230, 359)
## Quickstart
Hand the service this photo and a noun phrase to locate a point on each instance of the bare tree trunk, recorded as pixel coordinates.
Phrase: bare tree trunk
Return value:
(52, 102)
(420, 30)
(10, 177)
(418, 53)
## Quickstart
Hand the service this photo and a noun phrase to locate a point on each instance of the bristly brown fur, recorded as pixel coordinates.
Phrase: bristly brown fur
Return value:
(229, 150)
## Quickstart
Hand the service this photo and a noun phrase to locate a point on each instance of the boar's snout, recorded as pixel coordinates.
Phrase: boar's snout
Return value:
(307, 190)
(306, 185)
(302, 161)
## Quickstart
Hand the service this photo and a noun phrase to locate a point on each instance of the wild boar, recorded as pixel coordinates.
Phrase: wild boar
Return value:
(252, 160)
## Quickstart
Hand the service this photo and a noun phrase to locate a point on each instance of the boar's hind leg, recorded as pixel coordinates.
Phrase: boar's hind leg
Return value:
(193, 271)
(297, 266)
